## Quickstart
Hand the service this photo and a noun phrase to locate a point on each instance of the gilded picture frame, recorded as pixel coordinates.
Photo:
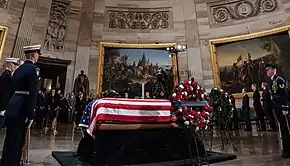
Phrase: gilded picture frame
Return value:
(213, 50)
(3, 36)
(103, 45)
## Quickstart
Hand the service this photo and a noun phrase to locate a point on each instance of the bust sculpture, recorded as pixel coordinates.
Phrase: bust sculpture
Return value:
(81, 84)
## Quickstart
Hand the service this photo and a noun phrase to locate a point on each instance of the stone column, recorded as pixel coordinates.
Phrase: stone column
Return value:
(25, 29)
(192, 41)
(84, 38)
(41, 22)
(71, 41)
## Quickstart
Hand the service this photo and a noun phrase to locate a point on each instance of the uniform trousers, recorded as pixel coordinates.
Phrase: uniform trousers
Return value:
(283, 120)
(14, 141)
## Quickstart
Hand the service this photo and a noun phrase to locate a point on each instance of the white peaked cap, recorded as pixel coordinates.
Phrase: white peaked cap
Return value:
(32, 48)
(12, 60)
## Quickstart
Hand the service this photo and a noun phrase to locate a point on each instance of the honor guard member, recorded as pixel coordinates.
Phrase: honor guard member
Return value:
(5, 82)
(279, 96)
(20, 109)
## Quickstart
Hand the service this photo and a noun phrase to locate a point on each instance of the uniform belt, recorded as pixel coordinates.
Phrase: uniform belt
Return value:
(22, 92)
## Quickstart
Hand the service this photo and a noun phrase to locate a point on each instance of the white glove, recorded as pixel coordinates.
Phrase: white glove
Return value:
(29, 123)
(285, 112)
(2, 113)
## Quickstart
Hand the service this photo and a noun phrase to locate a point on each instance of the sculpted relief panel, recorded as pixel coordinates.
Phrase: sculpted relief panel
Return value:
(3, 3)
(138, 19)
(241, 9)
(55, 33)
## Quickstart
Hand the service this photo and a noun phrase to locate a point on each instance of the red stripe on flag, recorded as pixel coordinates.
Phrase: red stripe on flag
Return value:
(127, 106)
(138, 100)
(135, 119)
(133, 107)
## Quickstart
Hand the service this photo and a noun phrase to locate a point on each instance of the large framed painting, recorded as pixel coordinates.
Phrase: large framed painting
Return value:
(3, 35)
(136, 68)
(238, 62)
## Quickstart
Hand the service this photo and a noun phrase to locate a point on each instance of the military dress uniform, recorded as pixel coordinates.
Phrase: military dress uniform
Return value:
(20, 109)
(5, 84)
(279, 96)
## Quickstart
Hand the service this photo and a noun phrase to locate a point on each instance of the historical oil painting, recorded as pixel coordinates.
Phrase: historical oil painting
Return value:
(126, 69)
(243, 63)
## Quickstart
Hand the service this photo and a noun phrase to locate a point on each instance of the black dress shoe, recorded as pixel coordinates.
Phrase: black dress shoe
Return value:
(286, 155)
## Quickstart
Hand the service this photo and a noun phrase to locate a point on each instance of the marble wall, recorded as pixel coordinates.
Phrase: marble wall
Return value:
(89, 22)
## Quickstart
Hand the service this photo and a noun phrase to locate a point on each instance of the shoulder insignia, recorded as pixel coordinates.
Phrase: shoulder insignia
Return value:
(37, 71)
(280, 79)
(281, 86)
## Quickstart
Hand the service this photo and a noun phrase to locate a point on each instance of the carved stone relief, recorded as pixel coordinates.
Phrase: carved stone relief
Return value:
(55, 33)
(138, 20)
(241, 9)
(3, 3)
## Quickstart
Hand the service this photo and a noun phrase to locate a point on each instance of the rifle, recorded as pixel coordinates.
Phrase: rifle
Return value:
(25, 149)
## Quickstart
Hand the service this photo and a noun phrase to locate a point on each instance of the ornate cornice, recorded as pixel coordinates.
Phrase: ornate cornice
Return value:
(250, 36)
(241, 9)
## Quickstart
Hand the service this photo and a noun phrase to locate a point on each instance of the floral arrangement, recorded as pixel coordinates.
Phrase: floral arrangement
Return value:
(196, 113)
(222, 105)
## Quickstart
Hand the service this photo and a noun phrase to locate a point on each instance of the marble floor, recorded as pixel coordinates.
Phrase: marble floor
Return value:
(254, 148)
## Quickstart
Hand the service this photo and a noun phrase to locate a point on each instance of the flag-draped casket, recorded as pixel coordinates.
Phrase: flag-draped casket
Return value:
(125, 111)
(132, 132)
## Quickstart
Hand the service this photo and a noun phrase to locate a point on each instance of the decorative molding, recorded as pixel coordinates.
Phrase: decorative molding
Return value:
(139, 19)
(53, 61)
(56, 29)
(241, 9)
(3, 3)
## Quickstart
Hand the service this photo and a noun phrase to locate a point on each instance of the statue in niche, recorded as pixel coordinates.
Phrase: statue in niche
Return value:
(81, 84)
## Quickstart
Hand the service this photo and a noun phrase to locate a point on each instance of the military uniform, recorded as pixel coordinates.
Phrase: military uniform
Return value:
(5, 88)
(20, 109)
(5, 84)
(279, 96)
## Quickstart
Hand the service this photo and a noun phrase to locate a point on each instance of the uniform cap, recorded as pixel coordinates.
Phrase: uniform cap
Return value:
(32, 48)
(12, 60)
(273, 66)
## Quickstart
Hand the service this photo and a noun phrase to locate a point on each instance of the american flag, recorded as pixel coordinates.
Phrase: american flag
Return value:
(85, 120)
(125, 110)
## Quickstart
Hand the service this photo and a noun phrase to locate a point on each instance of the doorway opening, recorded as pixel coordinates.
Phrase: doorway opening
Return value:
(52, 73)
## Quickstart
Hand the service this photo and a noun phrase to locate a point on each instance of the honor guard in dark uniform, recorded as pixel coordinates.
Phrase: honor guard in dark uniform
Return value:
(279, 96)
(20, 109)
(5, 82)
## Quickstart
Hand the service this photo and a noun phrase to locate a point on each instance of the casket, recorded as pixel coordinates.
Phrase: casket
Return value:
(136, 132)
(132, 132)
